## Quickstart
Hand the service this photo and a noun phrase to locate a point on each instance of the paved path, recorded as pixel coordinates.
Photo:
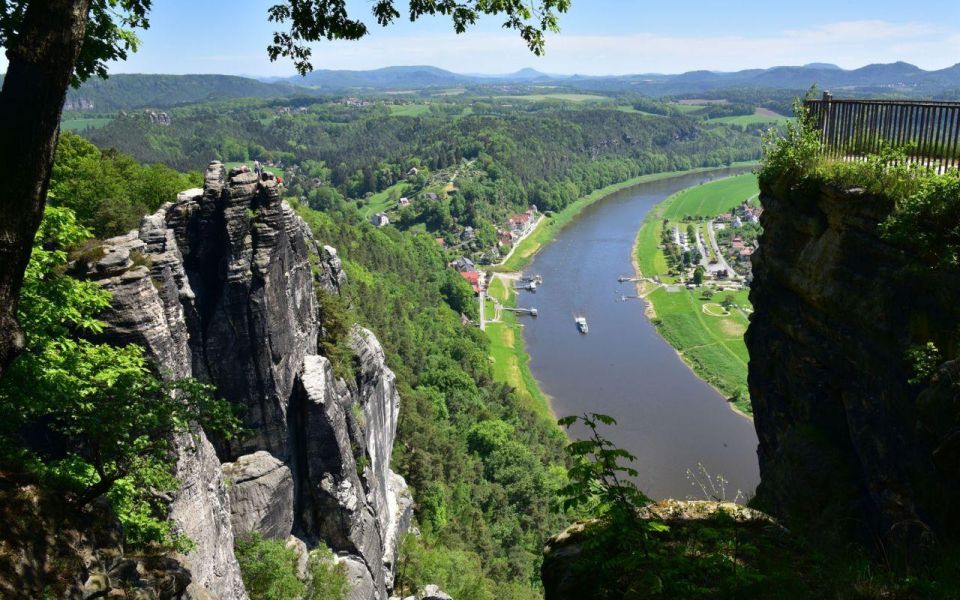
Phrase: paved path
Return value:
(701, 250)
(523, 237)
(722, 261)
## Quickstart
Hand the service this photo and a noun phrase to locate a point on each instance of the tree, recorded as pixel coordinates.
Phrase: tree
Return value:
(698, 275)
(51, 44)
(88, 413)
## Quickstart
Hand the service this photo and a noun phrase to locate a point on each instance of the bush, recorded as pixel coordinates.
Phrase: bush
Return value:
(268, 568)
(269, 571)
(327, 579)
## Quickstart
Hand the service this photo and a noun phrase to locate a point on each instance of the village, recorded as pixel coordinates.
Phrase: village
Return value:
(712, 252)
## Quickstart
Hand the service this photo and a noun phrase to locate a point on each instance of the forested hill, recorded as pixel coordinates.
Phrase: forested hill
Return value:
(124, 92)
(545, 154)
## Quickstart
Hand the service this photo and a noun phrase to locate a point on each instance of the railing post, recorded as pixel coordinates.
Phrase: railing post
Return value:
(826, 116)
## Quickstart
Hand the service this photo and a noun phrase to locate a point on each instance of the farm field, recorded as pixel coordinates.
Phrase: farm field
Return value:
(383, 200)
(707, 334)
(83, 124)
(711, 199)
(408, 110)
(557, 96)
(759, 117)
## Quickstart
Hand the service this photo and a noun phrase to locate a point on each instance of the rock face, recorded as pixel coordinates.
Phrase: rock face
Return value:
(261, 495)
(845, 437)
(220, 286)
(570, 558)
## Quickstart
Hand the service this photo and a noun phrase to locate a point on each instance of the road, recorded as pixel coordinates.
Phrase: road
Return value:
(723, 262)
(701, 250)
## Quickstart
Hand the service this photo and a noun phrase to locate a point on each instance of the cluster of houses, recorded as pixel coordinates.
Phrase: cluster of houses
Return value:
(739, 249)
(468, 270)
(745, 213)
(517, 227)
(288, 110)
(355, 102)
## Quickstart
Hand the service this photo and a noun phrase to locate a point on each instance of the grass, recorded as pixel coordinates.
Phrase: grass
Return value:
(557, 96)
(688, 108)
(510, 359)
(383, 200)
(709, 341)
(84, 124)
(759, 117)
(550, 226)
(711, 199)
(408, 110)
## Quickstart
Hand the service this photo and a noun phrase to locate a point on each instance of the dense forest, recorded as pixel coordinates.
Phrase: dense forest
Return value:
(482, 160)
(485, 470)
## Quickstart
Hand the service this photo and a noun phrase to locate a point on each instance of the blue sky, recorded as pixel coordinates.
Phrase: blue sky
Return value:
(597, 37)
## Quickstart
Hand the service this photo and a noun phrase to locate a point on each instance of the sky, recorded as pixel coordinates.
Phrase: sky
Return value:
(598, 37)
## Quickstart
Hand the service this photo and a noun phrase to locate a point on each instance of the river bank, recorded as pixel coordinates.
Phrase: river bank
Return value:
(707, 335)
(675, 423)
(548, 227)
(507, 348)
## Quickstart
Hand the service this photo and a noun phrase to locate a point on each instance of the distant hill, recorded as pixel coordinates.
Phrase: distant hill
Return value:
(413, 77)
(900, 76)
(124, 92)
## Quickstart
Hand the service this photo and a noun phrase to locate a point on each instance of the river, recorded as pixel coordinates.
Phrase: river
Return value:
(671, 420)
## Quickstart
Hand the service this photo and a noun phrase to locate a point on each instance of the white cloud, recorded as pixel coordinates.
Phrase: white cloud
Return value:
(849, 43)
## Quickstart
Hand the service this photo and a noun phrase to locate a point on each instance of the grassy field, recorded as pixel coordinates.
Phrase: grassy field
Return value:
(708, 336)
(510, 360)
(383, 200)
(408, 110)
(711, 199)
(759, 117)
(688, 108)
(557, 96)
(83, 124)
(550, 226)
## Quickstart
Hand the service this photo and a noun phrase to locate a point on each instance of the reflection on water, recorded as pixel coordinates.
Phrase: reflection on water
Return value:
(666, 416)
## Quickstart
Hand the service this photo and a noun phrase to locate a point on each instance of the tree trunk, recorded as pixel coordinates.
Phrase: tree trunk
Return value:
(42, 58)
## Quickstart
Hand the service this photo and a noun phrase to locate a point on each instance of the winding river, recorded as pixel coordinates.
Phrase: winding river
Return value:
(671, 420)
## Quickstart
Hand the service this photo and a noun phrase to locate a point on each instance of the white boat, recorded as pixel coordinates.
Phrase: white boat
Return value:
(582, 324)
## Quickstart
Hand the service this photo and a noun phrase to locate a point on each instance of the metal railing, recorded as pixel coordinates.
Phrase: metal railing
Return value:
(929, 132)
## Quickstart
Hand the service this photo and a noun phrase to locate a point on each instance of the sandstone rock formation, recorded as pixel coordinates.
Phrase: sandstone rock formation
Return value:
(845, 436)
(219, 285)
(570, 558)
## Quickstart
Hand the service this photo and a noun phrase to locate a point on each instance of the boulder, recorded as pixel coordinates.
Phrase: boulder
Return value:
(261, 495)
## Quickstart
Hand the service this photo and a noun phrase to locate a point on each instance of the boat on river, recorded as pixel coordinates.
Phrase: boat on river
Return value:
(582, 324)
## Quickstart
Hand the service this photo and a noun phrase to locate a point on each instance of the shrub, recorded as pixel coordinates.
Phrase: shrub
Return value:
(268, 568)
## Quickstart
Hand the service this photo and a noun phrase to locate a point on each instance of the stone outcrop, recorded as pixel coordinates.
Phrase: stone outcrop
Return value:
(845, 436)
(261, 495)
(219, 286)
(570, 558)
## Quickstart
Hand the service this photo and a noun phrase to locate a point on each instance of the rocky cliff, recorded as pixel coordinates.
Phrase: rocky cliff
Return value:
(219, 285)
(850, 436)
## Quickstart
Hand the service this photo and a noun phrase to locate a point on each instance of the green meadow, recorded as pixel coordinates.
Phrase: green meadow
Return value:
(760, 117)
(708, 337)
(408, 110)
(711, 199)
(83, 124)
